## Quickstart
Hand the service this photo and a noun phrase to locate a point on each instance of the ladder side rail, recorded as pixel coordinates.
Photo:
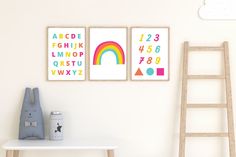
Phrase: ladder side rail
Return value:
(229, 101)
(182, 139)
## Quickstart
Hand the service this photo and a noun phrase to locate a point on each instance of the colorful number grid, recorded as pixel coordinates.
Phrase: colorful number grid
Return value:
(150, 53)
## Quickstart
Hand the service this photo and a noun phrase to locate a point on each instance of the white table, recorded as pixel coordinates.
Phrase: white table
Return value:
(13, 147)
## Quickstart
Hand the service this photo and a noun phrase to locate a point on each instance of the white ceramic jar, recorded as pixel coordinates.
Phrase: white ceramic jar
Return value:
(56, 126)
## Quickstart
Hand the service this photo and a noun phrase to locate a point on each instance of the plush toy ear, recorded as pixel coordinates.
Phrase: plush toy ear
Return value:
(27, 99)
(36, 96)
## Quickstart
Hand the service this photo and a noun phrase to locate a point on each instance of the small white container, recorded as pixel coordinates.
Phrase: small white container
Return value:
(56, 126)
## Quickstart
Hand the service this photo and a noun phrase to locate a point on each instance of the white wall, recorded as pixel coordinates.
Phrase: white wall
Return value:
(142, 117)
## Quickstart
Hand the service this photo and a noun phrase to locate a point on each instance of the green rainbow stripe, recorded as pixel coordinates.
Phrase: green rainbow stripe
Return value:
(109, 46)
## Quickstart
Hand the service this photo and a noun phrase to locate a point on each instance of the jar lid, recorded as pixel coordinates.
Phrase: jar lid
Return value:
(56, 113)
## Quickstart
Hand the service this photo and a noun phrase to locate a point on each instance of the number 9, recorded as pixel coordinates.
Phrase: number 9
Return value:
(158, 59)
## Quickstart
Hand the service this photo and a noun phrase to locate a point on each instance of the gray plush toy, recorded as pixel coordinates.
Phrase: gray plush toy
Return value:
(31, 119)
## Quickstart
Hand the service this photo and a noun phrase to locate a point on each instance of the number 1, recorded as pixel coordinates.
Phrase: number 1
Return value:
(141, 38)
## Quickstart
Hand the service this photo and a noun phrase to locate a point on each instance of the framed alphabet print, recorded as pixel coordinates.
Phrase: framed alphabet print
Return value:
(150, 53)
(66, 53)
(108, 53)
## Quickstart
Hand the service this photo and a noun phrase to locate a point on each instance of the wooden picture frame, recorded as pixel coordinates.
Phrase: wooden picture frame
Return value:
(66, 53)
(113, 42)
(149, 53)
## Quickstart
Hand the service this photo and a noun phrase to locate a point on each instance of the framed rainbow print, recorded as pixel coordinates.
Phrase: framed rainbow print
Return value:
(150, 53)
(66, 53)
(108, 53)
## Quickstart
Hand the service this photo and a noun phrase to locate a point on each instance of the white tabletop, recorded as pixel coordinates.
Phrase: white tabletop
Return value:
(62, 145)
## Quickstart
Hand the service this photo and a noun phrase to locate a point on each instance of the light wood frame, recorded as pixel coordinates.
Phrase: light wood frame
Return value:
(85, 51)
(127, 50)
(130, 64)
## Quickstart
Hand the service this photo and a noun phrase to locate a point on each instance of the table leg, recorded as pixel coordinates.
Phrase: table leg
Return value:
(110, 153)
(9, 153)
(16, 153)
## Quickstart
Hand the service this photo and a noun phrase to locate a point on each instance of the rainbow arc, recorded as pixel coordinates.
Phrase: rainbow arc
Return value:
(109, 46)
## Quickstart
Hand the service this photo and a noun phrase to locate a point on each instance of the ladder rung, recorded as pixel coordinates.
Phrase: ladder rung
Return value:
(203, 48)
(206, 77)
(206, 134)
(206, 105)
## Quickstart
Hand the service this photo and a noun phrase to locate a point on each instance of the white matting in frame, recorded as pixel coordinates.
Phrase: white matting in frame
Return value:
(66, 53)
(150, 53)
(108, 53)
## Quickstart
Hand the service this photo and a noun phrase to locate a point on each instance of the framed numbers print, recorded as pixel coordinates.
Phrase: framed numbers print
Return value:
(150, 53)
(108, 53)
(66, 53)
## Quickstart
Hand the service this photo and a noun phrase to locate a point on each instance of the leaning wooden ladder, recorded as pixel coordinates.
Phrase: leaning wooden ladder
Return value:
(185, 105)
